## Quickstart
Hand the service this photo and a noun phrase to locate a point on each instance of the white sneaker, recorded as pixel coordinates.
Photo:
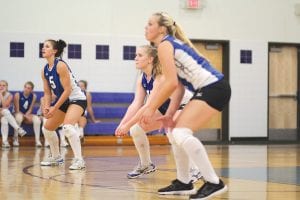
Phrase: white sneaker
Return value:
(77, 164)
(50, 161)
(5, 145)
(21, 132)
(16, 142)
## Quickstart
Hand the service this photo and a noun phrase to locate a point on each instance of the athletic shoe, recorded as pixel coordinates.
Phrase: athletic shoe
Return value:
(139, 170)
(77, 164)
(178, 188)
(195, 174)
(21, 132)
(16, 142)
(38, 144)
(50, 161)
(5, 145)
(209, 190)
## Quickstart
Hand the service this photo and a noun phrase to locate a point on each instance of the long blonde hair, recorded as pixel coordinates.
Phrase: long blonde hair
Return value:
(173, 28)
(151, 51)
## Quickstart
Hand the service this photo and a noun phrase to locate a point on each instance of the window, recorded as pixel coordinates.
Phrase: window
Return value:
(40, 49)
(74, 51)
(17, 49)
(129, 52)
(246, 57)
(102, 52)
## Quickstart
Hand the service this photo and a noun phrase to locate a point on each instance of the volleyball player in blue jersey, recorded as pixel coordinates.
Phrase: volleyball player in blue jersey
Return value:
(147, 61)
(70, 104)
(23, 106)
(182, 63)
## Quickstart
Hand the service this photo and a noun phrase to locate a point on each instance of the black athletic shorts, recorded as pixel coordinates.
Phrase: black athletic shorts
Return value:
(164, 107)
(82, 103)
(217, 95)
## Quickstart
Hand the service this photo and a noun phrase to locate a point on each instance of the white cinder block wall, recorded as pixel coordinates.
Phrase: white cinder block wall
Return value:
(247, 24)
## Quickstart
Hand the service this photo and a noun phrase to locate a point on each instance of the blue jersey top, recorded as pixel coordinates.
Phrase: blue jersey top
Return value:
(54, 83)
(193, 70)
(148, 86)
(25, 102)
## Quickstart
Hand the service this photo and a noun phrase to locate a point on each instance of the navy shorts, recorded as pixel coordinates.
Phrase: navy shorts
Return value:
(82, 103)
(217, 95)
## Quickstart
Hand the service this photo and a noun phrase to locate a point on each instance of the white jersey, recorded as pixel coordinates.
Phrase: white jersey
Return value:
(7, 94)
(193, 70)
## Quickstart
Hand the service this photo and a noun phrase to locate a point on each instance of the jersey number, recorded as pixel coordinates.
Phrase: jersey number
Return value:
(52, 84)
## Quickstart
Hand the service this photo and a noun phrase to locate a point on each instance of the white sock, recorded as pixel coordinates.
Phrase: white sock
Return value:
(36, 128)
(62, 136)
(4, 129)
(72, 135)
(181, 160)
(52, 139)
(81, 133)
(141, 143)
(19, 119)
(11, 120)
(197, 153)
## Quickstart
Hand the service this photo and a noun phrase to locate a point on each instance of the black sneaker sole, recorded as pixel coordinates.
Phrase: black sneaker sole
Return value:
(181, 192)
(221, 191)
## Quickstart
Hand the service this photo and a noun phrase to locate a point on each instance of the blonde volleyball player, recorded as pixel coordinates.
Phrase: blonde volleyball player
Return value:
(181, 63)
(68, 107)
(6, 117)
(146, 61)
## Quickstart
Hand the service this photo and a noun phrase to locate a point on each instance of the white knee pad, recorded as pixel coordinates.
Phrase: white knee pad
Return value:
(5, 112)
(171, 137)
(19, 118)
(36, 120)
(4, 121)
(181, 135)
(136, 131)
(69, 130)
(46, 132)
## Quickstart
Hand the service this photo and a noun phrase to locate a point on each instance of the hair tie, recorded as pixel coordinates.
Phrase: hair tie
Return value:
(174, 23)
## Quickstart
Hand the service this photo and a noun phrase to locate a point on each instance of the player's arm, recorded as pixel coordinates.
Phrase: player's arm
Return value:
(137, 103)
(7, 102)
(47, 95)
(65, 80)
(31, 105)
(89, 107)
(176, 99)
(16, 102)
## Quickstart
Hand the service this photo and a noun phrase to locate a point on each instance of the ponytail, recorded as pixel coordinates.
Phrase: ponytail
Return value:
(58, 45)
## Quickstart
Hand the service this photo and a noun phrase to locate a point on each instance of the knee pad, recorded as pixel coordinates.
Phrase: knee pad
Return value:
(136, 131)
(36, 120)
(69, 130)
(5, 112)
(181, 135)
(4, 121)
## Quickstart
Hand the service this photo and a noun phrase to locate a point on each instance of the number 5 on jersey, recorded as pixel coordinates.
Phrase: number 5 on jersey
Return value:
(52, 83)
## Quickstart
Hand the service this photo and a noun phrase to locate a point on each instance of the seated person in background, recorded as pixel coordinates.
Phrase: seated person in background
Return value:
(6, 117)
(89, 110)
(23, 105)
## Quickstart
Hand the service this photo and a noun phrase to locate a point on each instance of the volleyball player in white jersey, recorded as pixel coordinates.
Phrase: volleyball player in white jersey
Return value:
(68, 107)
(6, 117)
(147, 61)
(181, 63)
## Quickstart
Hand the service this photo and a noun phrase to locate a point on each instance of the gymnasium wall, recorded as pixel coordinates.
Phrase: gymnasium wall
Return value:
(246, 24)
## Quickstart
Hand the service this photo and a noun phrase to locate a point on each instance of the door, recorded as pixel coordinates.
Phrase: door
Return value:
(214, 53)
(283, 87)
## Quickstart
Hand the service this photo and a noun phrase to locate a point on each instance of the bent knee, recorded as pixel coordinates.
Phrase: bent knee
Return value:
(180, 135)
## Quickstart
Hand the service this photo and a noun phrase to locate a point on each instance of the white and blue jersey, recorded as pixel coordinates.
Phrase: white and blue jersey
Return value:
(25, 102)
(54, 83)
(193, 70)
